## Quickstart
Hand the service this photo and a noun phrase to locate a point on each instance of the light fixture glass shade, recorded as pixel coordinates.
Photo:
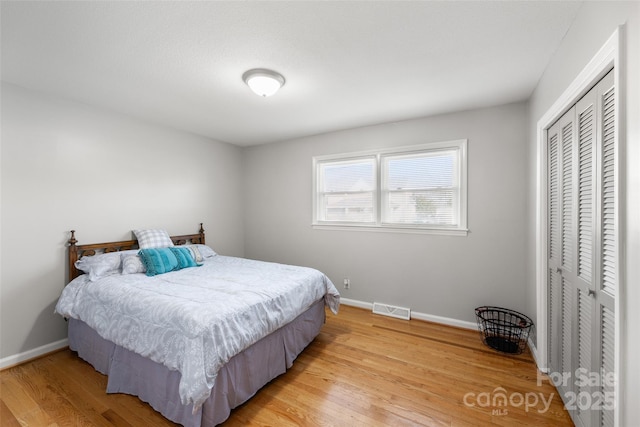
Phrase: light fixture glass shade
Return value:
(263, 82)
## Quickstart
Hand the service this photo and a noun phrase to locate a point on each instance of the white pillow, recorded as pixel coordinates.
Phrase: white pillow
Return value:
(131, 264)
(204, 250)
(97, 266)
(149, 239)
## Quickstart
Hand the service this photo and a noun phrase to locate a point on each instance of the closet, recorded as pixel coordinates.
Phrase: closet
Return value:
(583, 271)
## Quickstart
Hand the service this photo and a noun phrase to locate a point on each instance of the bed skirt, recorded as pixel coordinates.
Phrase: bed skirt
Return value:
(237, 381)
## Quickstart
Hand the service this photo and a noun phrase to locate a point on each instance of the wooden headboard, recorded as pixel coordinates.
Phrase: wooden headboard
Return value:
(78, 251)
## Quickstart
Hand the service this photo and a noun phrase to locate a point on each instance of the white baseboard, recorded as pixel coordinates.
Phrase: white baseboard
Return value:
(16, 359)
(445, 320)
(356, 303)
(416, 315)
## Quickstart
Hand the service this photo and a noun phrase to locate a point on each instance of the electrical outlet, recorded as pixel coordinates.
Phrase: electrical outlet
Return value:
(347, 283)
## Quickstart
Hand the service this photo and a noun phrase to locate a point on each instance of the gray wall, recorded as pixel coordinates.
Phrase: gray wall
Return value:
(593, 25)
(437, 275)
(68, 166)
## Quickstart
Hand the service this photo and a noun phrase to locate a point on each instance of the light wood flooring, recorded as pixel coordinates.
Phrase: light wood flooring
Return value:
(362, 370)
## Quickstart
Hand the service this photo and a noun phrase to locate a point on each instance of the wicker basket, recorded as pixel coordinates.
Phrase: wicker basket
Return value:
(504, 330)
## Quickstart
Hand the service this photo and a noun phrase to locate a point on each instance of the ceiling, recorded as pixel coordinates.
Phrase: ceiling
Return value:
(346, 64)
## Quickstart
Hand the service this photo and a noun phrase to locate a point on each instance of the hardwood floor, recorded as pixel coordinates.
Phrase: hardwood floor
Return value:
(362, 370)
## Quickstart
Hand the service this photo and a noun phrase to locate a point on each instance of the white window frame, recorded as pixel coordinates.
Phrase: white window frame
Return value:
(357, 159)
(459, 146)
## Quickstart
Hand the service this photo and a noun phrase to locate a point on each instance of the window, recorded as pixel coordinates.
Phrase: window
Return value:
(347, 191)
(419, 188)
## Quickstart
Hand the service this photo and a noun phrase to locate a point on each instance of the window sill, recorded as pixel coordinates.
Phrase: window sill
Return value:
(463, 232)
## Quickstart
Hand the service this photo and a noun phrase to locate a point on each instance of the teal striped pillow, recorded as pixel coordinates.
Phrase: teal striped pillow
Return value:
(184, 257)
(158, 260)
(163, 260)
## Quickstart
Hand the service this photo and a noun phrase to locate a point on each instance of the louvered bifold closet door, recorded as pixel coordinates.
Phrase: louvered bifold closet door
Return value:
(607, 288)
(554, 262)
(587, 120)
(609, 285)
(567, 269)
(597, 251)
(583, 254)
(561, 246)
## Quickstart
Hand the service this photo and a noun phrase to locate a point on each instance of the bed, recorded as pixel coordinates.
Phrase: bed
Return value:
(194, 341)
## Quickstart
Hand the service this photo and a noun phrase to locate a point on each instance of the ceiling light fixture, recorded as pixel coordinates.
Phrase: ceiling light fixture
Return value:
(263, 82)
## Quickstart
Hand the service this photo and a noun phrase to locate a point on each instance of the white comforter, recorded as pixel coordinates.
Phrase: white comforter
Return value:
(194, 320)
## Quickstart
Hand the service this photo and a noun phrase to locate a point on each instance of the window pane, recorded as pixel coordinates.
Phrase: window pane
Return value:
(349, 207)
(348, 176)
(420, 188)
(420, 171)
(346, 190)
(421, 207)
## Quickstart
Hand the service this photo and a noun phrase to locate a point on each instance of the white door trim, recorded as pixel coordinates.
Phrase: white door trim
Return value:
(608, 57)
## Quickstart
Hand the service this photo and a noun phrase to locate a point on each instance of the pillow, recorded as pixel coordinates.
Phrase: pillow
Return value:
(185, 257)
(131, 264)
(97, 266)
(158, 260)
(148, 239)
(204, 250)
(195, 254)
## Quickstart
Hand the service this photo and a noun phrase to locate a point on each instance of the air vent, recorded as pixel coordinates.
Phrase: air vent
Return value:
(392, 311)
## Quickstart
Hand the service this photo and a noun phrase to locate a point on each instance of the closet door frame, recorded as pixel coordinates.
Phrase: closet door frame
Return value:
(609, 57)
